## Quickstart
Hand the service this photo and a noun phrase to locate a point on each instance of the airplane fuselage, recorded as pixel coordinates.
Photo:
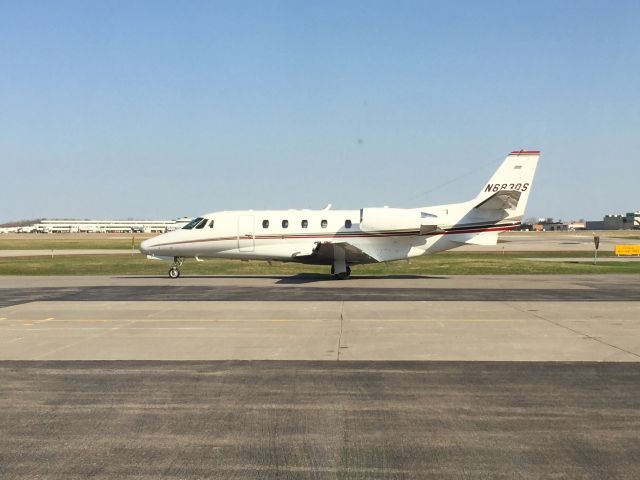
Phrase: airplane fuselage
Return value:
(294, 235)
(351, 237)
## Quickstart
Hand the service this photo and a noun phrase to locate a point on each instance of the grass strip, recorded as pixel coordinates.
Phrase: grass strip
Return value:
(448, 263)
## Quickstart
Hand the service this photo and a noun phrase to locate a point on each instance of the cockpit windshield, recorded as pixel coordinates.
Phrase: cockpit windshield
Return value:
(195, 223)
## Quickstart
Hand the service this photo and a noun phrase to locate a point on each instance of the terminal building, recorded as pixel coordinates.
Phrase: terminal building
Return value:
(101, 226)
(110, 226)
(629, 221)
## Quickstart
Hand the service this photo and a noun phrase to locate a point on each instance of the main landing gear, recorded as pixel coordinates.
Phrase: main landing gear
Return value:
(340, 270)
(174, 272)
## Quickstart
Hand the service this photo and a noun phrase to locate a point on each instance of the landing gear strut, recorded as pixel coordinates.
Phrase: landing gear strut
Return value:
(343, 270)
(174, 272)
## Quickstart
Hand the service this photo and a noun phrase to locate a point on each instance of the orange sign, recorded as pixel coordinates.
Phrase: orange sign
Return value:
(627, 250)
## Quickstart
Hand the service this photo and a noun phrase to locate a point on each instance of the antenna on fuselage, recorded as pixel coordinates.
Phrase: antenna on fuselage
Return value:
(328, 207)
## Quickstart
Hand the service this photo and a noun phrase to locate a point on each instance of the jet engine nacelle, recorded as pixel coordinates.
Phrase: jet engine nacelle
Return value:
(382, 219)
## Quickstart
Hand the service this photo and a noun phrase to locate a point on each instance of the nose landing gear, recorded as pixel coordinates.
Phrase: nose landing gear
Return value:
(174, 272)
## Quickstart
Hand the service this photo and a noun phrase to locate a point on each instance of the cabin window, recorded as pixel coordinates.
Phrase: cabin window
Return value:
(211, 224)
(347, 224)
(202, 223)
(323, 224)
(192, 223)
(285, 223)
(265, 223)
(304, 223)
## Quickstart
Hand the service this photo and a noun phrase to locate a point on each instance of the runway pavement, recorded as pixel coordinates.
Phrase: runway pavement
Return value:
(536, 318)
(305, 377)
(322, 420)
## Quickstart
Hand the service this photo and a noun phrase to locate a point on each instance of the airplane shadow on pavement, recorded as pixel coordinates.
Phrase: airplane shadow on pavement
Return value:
(296, 279)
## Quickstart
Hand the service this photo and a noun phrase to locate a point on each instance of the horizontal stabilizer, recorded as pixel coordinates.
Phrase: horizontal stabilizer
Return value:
(488, 238)
(502, 200)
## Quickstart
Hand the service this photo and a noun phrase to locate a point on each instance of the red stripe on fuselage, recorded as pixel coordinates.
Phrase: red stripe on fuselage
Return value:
(415, 233)
(525, 152)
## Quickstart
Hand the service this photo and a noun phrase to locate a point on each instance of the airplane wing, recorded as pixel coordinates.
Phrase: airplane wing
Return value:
(502, 200)
(326, 252)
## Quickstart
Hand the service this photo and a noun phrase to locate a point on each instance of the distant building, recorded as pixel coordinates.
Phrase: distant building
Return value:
(549, 225)
(629, 221)
(100, 226)
(595, 225)
(577, 225)
(614, 222)
(633, 220)
(524, 227)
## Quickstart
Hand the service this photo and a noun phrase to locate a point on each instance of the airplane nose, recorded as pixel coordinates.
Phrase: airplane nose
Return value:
(145, 247)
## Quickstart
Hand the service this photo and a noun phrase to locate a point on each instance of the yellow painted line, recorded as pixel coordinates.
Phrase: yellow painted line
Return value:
(3, 318)
(48, 319)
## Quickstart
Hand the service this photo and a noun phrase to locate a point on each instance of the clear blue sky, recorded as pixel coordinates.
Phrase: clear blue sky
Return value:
(155, 109)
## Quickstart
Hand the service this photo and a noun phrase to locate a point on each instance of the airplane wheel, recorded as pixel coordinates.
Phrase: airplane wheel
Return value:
(333, 270)
(342, 276)
(174, 272)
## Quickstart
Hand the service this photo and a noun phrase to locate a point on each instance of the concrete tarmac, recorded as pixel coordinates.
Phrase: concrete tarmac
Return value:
(552, 318)
(508, 377)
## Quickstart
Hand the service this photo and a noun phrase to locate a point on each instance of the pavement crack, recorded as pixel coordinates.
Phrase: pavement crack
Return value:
(578, 332)
(340, 334)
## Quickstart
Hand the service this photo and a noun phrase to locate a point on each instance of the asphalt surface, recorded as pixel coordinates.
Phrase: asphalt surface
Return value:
(219, 416)
(302, 288)
(268, 420)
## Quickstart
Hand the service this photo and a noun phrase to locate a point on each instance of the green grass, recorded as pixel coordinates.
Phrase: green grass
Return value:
(449, 263)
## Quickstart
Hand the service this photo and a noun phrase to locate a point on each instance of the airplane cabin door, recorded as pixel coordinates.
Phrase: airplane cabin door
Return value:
(246, 236)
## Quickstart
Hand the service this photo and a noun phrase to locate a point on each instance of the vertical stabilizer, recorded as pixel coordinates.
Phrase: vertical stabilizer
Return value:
(509, 187)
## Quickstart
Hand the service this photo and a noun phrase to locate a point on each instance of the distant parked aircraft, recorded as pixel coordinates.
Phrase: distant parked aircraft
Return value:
(342, 238)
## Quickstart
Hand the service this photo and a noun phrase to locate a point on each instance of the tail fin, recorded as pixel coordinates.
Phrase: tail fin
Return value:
(509, 187)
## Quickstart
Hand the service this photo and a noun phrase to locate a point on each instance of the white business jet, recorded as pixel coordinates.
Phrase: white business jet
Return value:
(342, 238)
